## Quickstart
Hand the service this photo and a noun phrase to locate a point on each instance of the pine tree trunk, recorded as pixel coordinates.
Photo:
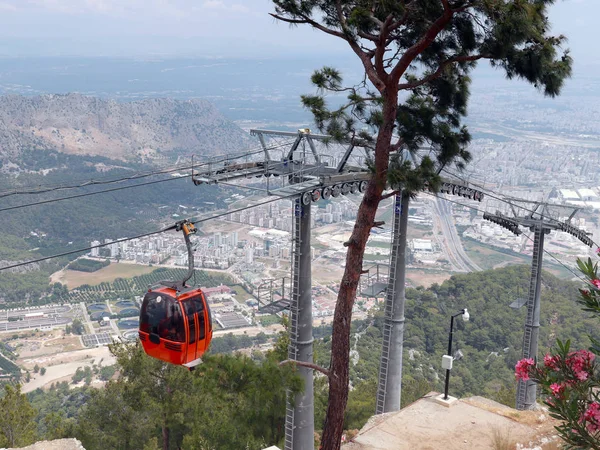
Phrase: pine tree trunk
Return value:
(340, 341)
(165, 437)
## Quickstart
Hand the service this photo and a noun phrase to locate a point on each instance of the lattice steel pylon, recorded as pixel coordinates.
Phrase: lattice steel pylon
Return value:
(541, 218)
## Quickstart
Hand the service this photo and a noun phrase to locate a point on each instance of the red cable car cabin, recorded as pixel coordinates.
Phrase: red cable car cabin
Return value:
(175, 322)
(175, 326)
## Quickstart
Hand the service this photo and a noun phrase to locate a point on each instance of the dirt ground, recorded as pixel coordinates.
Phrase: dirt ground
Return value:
(75, 278)
(32, 348)
(250, 331)
(472, 423)
(323, 271)
(62, 366)
(58, 353)
(419, 277)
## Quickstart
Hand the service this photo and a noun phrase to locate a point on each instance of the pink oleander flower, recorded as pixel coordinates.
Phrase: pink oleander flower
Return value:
(551, 361)
(598, 251)
(522, 368)
(592, 417)
(580, 362)
(596, 282)
(585, 292)
(587, 355)
(557, 389)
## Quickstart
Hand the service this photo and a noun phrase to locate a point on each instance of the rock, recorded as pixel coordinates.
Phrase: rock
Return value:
(59, 444)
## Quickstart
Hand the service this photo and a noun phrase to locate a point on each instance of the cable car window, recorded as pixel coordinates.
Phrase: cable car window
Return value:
(161, 315)
(209, 316)
(189, 312)
(172, 327)
(152, 312)
(201, 322)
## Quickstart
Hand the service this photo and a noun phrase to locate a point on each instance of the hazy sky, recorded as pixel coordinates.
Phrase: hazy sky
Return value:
(203, 27)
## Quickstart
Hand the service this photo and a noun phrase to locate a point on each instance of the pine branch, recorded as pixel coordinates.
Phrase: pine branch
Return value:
(391, 194)
(307, 365)
(394, 26)
(440, 69)
(311, 22)
(364, 55)
(349, 243)
(397, 146)
(381, 48)
(415, 50)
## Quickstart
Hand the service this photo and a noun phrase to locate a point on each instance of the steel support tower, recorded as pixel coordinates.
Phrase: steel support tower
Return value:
(299, 419)
(526, 390)
(541, 218)
(389, 389)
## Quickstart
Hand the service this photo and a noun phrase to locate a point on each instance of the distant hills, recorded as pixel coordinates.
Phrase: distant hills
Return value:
(145, 130)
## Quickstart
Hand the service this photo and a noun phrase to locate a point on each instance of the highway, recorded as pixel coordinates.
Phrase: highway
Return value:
(451, 241)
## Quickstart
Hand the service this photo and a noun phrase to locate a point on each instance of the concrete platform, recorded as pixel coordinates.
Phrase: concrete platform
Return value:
(463, 424)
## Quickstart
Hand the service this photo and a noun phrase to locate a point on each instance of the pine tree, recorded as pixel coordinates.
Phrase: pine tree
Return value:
(17, 425)
(417, 56)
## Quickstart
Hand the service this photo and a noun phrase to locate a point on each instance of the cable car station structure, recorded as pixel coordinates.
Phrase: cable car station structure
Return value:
(305, 176)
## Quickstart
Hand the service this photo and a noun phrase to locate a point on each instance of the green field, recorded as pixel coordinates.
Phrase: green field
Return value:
(489, 257)
(126, 288)
(241, 294)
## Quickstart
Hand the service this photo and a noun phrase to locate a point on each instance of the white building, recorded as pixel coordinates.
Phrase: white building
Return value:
(95, 251)
(422, 246)
(587, 195)
(569, 195)
(249, 255)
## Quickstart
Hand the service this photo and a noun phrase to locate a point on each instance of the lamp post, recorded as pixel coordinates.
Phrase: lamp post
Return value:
(447, 359)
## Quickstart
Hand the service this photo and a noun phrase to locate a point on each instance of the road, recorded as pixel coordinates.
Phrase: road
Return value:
(452, 243)
(86, 318)
(113, 322)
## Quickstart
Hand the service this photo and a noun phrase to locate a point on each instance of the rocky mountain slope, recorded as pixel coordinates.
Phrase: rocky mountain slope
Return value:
(152, 128)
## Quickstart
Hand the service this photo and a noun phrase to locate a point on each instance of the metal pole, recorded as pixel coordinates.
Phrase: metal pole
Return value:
(535, 325)
(304, 428)
(394, 383)
(389, 391)
(449, 354)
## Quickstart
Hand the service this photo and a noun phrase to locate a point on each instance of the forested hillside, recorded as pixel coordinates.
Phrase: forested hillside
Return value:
(73, 223)
(233, 401)
(491, 341)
